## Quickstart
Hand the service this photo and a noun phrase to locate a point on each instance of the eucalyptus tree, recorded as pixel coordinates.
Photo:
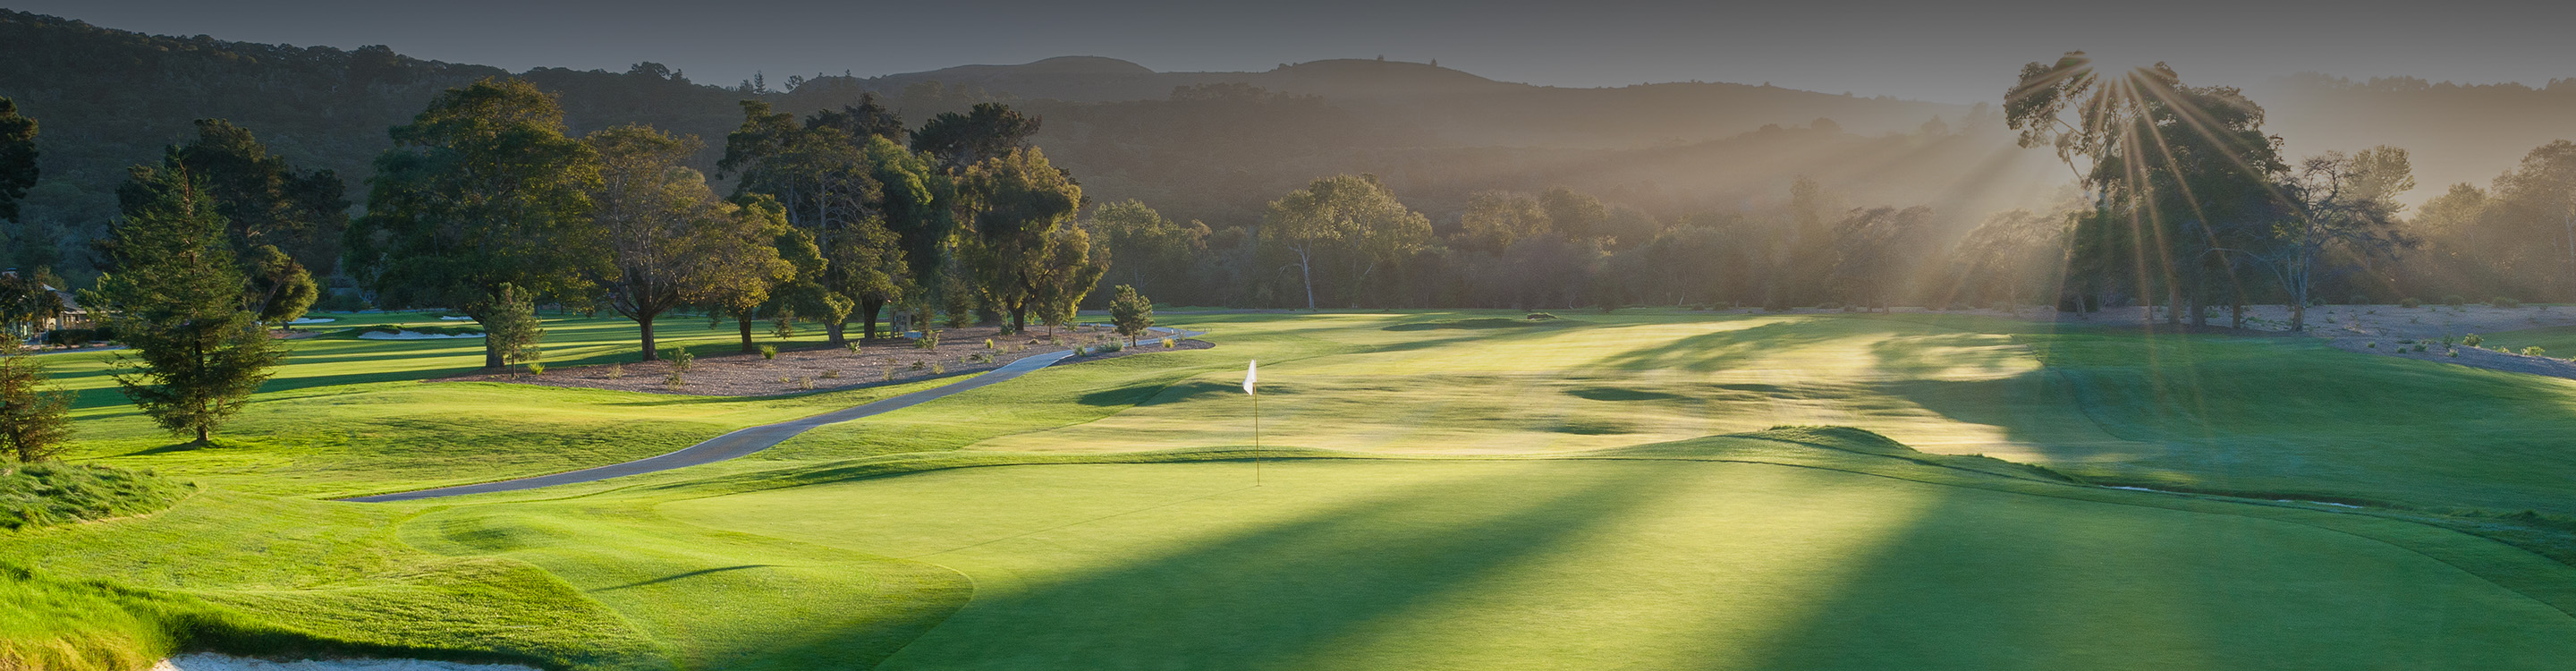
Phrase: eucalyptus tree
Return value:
(1014, 205)
(1145, 244)
(174, 295)
(826, 175)
(279, 289)
(481, 190)
(2180, 175)
(671, 241)
(1347, 222)
(2337, 202)
(264, 200)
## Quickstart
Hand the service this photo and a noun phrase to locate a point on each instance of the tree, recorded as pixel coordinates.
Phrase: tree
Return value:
(988, 131)
(514, 329)
(25, 299)
(1015, 204)
(17, 158)
(1354, 217)
(1576, 215)
(756, 276)
(265, 201)
(280, 289)
(2011, 256)
(2182, 177)
(671, 242)
(2337, 202)
(1144, 242)
(481, 190)
(1070, 266)
(1496, 219)
(175, 293)
(1874, 253)
(1131, 313)
(827, 175)
(34, 423)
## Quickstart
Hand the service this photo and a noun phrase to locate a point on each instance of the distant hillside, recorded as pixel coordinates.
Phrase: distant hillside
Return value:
(2455, 133)
(1203, 145)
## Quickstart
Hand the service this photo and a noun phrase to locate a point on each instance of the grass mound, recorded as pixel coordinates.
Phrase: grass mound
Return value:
(46, 494)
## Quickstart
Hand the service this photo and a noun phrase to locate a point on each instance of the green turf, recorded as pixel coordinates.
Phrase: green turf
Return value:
(1496, 495)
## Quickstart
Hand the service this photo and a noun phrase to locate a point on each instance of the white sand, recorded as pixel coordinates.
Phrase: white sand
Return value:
(413, 335)
(213, 662)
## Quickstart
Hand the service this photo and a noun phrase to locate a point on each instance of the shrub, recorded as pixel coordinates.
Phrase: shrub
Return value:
(2454, 300)
(852, 346)
(2451, 353)
(787, 379)
(805, 383)
(832, 375)
(2419, 347)
(535, 368)
(680, 359)
(988, 344)
(1540, 316)
(2372, 345)
(673, 382)
(1113, 346)
(929, 339)
(937, 368)
(616, 370)
(769, 352)
(2409, 303)
(919, 365)
(2533, 351)
(2504, 302)
(2472, 340)
(1167, 343)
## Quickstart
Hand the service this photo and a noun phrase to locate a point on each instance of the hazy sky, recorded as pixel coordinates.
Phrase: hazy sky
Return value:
(1949, 51)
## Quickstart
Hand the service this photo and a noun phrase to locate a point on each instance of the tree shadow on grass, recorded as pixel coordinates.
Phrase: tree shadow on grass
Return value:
(1285, 595)
(1989, 580)
(1719, 350)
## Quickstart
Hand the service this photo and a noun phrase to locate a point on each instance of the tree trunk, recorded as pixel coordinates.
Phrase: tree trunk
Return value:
(868, 309)
(836, 333)
(743, 320)
(1306, 270)
(645, 322)
(1019, 320)
(2173, 305)
(204, 436)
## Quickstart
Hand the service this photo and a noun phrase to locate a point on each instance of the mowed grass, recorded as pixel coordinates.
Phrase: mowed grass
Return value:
(1547, 564)
(345, 417)
(1503, 496)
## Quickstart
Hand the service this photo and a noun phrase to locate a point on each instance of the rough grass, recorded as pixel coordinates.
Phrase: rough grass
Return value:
(56, 493)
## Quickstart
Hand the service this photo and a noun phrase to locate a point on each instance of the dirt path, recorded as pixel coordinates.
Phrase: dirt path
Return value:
(746, 441)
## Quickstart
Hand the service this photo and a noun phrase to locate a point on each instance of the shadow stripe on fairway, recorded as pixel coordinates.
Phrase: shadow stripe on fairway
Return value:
(746, 441)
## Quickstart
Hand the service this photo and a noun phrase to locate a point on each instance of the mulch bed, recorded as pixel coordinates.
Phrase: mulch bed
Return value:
(817, 368)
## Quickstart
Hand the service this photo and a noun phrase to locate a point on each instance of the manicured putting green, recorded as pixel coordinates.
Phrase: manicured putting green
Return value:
(1551, 564)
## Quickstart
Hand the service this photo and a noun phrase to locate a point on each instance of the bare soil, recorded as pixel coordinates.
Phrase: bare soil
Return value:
(815, 368)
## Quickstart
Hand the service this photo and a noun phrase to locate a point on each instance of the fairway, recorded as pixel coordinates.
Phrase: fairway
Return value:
(1654, 564)
(1442, 490)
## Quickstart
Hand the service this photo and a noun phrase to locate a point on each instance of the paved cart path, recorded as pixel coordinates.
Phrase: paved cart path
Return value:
(754, 439)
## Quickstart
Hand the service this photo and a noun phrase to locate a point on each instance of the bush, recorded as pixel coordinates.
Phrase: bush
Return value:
(2472, 340)
(2533, 351)
(1540, 316)
(852, 346)
(680, 360)
(1167, 343)
(2504, 302)
(535, 368)
(673, 382)
(769, 352)
(2372, 345)
(616, 370)
(77, 337)
(2409, 302)
(832, 374)
(2454, 300)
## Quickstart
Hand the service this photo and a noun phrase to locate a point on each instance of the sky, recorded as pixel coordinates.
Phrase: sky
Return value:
(1964, 51)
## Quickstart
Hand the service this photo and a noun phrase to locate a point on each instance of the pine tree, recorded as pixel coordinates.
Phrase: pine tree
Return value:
(175, 296)
(33, 423)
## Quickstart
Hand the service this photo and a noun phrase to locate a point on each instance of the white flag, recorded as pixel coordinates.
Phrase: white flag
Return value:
(1250, 374)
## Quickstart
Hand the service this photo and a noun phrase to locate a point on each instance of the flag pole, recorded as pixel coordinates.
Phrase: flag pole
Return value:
(1251, 375)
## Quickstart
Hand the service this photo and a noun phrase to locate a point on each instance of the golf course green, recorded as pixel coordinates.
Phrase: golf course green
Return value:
(1436, 490)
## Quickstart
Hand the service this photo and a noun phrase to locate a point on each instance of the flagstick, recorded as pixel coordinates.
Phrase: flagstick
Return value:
(1256, 439)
